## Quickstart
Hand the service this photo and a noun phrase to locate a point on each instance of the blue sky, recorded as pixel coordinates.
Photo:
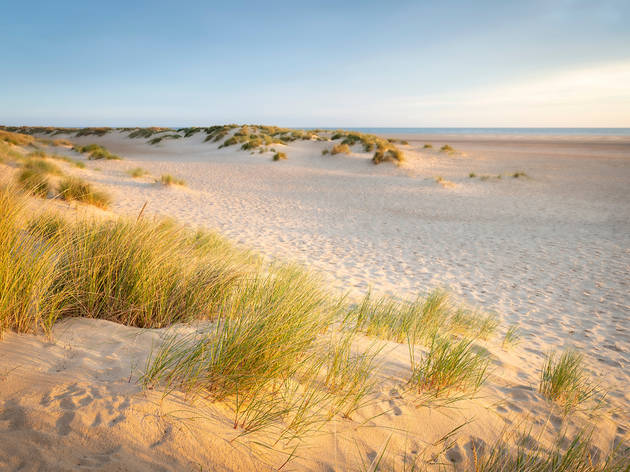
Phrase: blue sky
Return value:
(316, 63)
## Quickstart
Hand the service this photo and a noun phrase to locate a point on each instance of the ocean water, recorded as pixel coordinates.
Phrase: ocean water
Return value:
(500, 131)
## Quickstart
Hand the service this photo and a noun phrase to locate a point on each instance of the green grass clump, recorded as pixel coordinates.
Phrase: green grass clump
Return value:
(16, 139)
(401, 321)
(168, 180)
(96, 151)
(48, 225)
(43, 166)
(279, 156)
(564, 455)
(158, 139)
(93, 131)
(35, 182)
(73, 188)
(447, 148)
(512, 337)
(146, 132)
(340, 149)
(390, 155)
(518, 174)
(427, 146)
(473, 325)
(564, 381)
(69, 160)
(449, 366)
(472, 175)
(137, 172)
(27, 270)
(325, 151)
(140, 274)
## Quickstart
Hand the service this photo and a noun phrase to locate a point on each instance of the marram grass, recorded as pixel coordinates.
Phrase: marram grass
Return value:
(564, 381)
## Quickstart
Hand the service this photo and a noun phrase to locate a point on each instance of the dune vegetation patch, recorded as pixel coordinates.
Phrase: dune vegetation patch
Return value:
(384, 150)
(279, 156)
(282, 355)
(563, 380)
(159, 139)
(96, 152)
(137, 172)
(168, 180)
(75, 189)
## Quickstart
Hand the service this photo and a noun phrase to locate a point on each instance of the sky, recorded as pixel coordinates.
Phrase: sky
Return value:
(538, 63)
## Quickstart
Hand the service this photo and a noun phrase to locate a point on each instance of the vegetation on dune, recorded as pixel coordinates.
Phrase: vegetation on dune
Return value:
(137, 172)
(449, 365)
(168, 180)
(146, 132)
(279, 156)
(96, 151)
(385, 150)
(17, 139)
(340, 149)
(73, 188)
(277, 349)
(447, 148)
(158, 139)
(427, 146)
(92, 132)
(34, 181)
(564, 381)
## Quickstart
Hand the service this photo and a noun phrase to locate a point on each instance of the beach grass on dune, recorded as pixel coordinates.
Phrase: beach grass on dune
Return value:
(137, 172)
(168, 180)
(73, 188)
(565, 454)
(449, 365)
(279, 156)
(564, 381)
(35, 182)
(28, 300)
(96, 152)
(512, 337)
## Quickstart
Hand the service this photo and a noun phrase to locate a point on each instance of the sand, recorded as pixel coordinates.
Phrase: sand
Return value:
(549, 251)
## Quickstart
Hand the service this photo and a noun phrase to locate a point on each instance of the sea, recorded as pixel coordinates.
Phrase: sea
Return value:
(495, 131)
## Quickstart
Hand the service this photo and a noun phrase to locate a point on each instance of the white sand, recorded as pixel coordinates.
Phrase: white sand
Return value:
(550, 252)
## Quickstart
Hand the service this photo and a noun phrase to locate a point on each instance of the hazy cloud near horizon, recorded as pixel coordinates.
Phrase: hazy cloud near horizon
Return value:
(406, 63)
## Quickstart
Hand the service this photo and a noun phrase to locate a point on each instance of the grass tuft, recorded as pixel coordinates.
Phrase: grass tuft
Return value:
(168, 180)
(449, 366)
(137, 172)
(564, 381)
(73, 188)
(340, 149)
(279, 156)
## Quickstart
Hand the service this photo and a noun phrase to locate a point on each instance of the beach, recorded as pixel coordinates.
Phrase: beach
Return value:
(532, 229)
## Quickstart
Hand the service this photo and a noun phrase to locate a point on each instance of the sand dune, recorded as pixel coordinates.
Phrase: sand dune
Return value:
(549, 251)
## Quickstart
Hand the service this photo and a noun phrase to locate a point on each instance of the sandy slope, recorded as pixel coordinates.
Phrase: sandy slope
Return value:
(551, 252)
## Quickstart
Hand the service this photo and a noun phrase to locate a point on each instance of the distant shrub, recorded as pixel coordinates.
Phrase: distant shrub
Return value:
(168, 180)
(96, 152)
(390, 155)
(427, 146)
(137, 172)
(340, 149)
(518, 174)
(279, 156)
(447, 148)
(472, 175)
(62, 142)
(325, 151)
